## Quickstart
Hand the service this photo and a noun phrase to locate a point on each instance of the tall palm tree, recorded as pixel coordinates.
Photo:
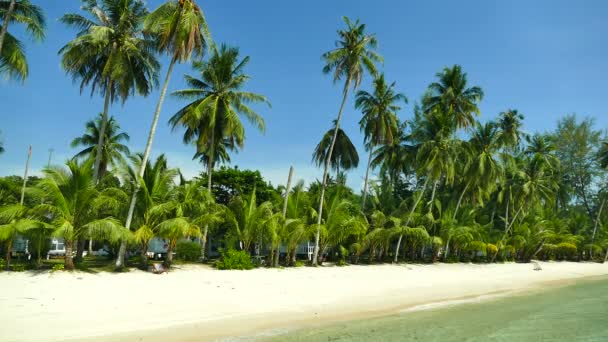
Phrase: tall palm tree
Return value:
(179, 29)
(510, 124)
(12, 56)
(451, 96)
(393, 159)
(483, 169)
(113, 148)
(354, 54)
(345, 156)
(379, 123)
(110, 54)
(218, 101)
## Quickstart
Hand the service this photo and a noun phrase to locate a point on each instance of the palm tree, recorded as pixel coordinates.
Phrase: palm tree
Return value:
(510, 124)
(350, 59)
(110, 54)
(451, 96)
(379, 122)
(16, 219)
(393, 158)
(155, 188)
(12, 56)
(345, 156)
(70, 202)
(482, 170)
(217, 102)
(113, 148)
(179, 29)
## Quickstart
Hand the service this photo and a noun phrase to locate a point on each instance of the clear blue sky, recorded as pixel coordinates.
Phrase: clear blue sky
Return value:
(544, 58)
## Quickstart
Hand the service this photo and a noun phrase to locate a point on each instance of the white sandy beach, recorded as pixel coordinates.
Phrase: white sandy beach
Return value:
(200, 303)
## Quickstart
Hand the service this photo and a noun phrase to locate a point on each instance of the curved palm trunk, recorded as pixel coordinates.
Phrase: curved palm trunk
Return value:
(204, 242)
(209, 177)
(508, 228)
(315, 254)
(597, 222)
(409, 218)
(27, 168)
(7, 20)
(68, 261)
(369, 164)
(120, 260)
(278, 253)
(460, 199)
(102, 133)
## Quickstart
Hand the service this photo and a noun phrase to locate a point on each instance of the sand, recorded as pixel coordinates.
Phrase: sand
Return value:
(198, 303)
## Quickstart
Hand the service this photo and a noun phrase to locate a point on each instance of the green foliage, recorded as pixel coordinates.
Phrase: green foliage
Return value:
(229, 183)
(567, 251)
(18, 267)
(234, 260)
(188, 251)
(299, 263)
(58, 267)
(2, 264)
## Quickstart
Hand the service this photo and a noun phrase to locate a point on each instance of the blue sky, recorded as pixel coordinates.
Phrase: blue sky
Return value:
(544, 58)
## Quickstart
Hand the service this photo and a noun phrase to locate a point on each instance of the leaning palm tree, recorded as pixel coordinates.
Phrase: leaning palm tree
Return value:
(344, 157)
(113, 148)
(12, 56)
(379, 123)
(217, 102)
(110, 54)
(179, 29)
(451, 96)
(354, 54)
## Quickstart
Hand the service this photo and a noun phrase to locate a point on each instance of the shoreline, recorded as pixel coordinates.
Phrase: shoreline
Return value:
(203, 304)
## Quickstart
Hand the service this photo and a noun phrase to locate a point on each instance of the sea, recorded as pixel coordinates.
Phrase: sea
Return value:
(574, 312)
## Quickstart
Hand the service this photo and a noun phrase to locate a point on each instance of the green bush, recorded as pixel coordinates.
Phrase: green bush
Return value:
(57, 267)
(187, 251)
(234, 260)
(18, 267)
(341, 263)
(2, 264)
(566, 251)
(299, 263)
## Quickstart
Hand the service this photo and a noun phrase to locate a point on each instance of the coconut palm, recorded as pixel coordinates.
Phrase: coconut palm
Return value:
(344, 157)
(251, 222)
(395, 158)
(353, 56)
(70, 203)
(179, 29)
(113, 148)
(482, 169)
(451, 96)
(110, 54)
(379, 123)
(510, 123)
(218, 101)
(12, 55)
(16, 219)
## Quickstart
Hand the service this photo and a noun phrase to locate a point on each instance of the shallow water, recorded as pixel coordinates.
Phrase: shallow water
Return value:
(576, 312)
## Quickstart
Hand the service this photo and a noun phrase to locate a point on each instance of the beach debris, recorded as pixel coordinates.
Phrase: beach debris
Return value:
(536, 266)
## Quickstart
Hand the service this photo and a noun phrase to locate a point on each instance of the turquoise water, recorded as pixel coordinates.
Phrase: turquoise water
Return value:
(576, 312)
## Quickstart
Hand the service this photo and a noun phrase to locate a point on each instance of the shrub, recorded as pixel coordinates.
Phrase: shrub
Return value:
(57, 267)
(18, 267)
(491, 249)
(299, 263)
(566, 250)
(187, 251)
(341, 263)
(234, 260)
(2, 264)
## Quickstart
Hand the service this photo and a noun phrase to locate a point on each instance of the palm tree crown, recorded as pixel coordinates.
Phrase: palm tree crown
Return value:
(451, 96)
(345, 154)
(113, 150)
(13, 62)
(217, 102)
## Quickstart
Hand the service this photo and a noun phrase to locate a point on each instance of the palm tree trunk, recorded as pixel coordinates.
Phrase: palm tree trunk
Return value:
(68, 261)
(90, 247)
(102, 132)
(144, 256)
(606, 256)
(27, 168)
(369, 164)
(9, 246)
(210, 161)
(508, 228)
(287, 190)
(7, 20)
(204, 241)
(460, 199)
(409, 218)
(80, 249)
(597, 221)
(315, 254)
(169, 259)
(142, 168)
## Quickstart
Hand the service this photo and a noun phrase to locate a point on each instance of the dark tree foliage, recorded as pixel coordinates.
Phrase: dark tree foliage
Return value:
(231, 182)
